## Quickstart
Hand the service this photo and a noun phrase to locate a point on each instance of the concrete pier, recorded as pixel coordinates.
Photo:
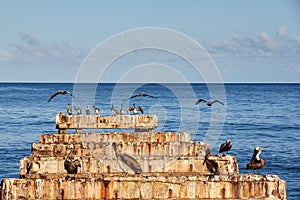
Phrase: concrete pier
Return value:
(171, 167)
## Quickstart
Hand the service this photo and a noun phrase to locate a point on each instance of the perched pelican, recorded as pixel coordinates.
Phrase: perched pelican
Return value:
(122, 109)
(71, 165)
(33, 166)
(226, 146)
(113, 110)
(78, 110)
(211, 165)
(96, 110)
(69, 110)
(135, 109)
(60, 92)
(88, 110)
(128, 160)
(256, 162)
(141, 95)
(208, 102)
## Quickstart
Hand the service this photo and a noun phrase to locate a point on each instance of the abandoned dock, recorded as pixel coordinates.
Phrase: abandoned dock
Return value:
(139, 164)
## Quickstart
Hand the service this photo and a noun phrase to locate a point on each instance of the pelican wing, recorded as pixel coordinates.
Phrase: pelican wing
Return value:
(200, 100)
(217, 101)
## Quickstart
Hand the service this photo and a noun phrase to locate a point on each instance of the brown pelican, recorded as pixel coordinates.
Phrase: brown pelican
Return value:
(211, 165)
(71, 165)
(33, 166)
(69, 110)
(140, 95)
(113, 110)
(96, 110)
(226, 146)
(122, 109)
(135, 109)
(128, 160)
(88, 111)
(60, 92)
(208, 102)
(78, 110)
(256, 162)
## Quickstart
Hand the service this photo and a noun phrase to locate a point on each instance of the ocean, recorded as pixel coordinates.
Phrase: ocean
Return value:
(265, 115)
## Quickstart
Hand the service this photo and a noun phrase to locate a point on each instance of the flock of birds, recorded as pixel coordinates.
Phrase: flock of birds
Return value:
(71, 165)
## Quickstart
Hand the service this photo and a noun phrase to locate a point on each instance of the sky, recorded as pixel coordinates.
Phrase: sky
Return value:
(248, 41)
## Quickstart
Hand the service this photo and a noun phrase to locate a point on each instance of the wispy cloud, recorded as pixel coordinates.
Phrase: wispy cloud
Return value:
(260, 44)
(33, 50)
(4, 56)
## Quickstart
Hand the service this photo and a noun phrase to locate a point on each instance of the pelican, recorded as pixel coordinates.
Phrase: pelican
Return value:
(69, 110)
(135, 109)
(71, 165)
(60, 92)
(113, 110)
(96, 110)
(208, 103)
(88, 110)
(78, 110)
(128, 160)
(122, 109)
(33, 166)
(211, 165)
(256, 162)
(226, 146)
(140, 95)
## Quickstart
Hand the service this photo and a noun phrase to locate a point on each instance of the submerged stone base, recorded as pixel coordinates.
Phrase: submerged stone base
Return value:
(148, 186)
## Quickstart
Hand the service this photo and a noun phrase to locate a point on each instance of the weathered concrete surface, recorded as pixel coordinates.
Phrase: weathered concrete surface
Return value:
(148, 186)
(102, 122)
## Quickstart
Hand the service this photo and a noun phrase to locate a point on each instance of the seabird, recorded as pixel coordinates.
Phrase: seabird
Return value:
(33, 166)
(122, 109)
(140, 95)
(256, 162)
(135, 109)
(113, 110)
(128, 160)
(71, 165)
(226, 146)
(208, 102)
(88, 111)
(69, 110)
(96, 110)
(60, 92)
(211, 165)
(78, 110)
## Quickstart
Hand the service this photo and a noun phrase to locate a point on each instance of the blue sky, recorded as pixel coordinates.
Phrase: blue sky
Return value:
(250, 41)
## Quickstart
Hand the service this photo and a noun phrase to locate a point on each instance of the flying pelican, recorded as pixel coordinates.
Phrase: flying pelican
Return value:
(88, 110)
(60, 92)
(211, 165)
(96, 110)
(78, 110)
(113, 110)
(69, 110)
(71, 165)
(128, 160)
(208, 103)
(140, 95)
(256, 162)
(226, 146)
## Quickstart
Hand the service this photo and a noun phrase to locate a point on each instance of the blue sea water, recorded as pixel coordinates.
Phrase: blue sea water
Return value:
(266, 115)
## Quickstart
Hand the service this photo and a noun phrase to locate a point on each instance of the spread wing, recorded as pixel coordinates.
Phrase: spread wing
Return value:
(217, 101)
(53, 95)
(60, 92)
(200, 100)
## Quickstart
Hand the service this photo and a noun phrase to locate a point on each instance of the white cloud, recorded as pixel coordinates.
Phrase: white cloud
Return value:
(259, 44)
(4, 56)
